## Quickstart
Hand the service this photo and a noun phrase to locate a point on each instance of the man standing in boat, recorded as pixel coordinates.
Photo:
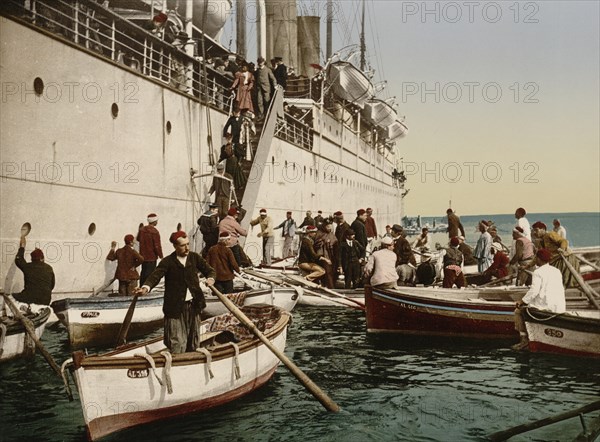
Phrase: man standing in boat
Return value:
(455, 228)
(406, 263)
(524, 257)
(266, 233)
(546, 293)
(358, 225)
(150, 247)
(556, 244)
(184, 299)
(483, 249)
(453, 266)
(39, 277)
(370, 226)
(288, 233)
(127, 260)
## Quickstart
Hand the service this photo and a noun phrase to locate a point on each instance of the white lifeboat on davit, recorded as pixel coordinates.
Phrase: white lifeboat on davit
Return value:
(349, 83)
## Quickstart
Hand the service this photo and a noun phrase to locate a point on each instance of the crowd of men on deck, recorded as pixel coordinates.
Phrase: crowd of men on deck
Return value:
(328, 247)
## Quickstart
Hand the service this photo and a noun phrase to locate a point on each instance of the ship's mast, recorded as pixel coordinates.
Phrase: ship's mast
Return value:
(329, 49)
(363, 47)
(241, 28)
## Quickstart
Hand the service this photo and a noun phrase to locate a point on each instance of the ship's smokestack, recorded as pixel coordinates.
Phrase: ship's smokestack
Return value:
(308, 44)
(282, 33)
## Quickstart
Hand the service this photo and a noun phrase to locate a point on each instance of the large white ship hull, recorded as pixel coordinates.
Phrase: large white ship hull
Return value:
(83, 177)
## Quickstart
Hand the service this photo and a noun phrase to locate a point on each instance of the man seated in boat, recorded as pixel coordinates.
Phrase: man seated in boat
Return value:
(127, 260)
(220, 257)
(467, 252)
(184, 299)
(406, 263)
(381, 266)
(556, 244)
(546, 293)
(422, 243)
(524, 257)
(453, 266)
(308, 260)
(39, 277)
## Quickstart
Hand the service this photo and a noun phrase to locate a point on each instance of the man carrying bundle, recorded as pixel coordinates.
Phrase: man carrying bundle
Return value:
(184, 299)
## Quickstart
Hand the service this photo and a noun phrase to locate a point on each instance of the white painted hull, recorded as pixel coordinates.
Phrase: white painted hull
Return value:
(97, 321)
(119, 390)
(573, 333)
(284, 298)
(13, 343)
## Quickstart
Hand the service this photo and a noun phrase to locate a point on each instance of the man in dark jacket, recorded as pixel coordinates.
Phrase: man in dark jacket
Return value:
(220, 257)
(184, 299)
(280, 72)
(127, 260)
(209, 227)
(342, 226)
(308, 260)
(455, 228)
(360, 230)
(351, 253)
(39, 277)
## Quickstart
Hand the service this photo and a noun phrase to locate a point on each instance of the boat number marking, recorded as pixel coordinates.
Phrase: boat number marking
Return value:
(131, 373)
(90, 314)
(552, 332)
(408, 306)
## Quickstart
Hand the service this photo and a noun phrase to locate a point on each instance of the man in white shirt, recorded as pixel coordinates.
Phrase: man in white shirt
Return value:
(382, 265)
(546, 293)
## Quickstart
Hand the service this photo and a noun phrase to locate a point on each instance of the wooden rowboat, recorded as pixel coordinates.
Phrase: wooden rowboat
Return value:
(576, 334)
(95, 321)
(145, 383)
(14, 341)
(484, 313)
(285, 298)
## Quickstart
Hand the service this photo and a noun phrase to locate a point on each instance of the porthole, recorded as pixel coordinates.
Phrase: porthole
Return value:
(38, 86)
(114, 110)
(286, 164)
(169, 127)
(92, 229)
(25, 229)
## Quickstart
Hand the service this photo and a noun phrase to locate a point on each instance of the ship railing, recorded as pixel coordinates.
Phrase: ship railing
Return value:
(294, 131)
(112, 36)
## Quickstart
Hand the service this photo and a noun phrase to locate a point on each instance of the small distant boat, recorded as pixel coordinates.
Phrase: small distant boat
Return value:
(95, 321)
(14, 338)
(478, 313)
(148, 383)
(576, 334)
(285, 298)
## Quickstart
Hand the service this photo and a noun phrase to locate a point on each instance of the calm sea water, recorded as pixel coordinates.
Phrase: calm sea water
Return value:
(390, 389)
(583, 229)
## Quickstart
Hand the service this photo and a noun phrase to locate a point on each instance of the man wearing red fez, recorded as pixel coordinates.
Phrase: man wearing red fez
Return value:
(38, 276)
(184, 299)
(360, 230)
(220, 257)
(546, 293)
(288, 232)
(127, 260)
(150, 246)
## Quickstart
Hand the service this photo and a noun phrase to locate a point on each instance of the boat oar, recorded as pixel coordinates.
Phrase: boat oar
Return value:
(29, 328)
(499, 280)
(313, 388)
(585, 261)
(329, 291)
(101, 289)
(122, 336)
(507, 434)
(589, 292)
